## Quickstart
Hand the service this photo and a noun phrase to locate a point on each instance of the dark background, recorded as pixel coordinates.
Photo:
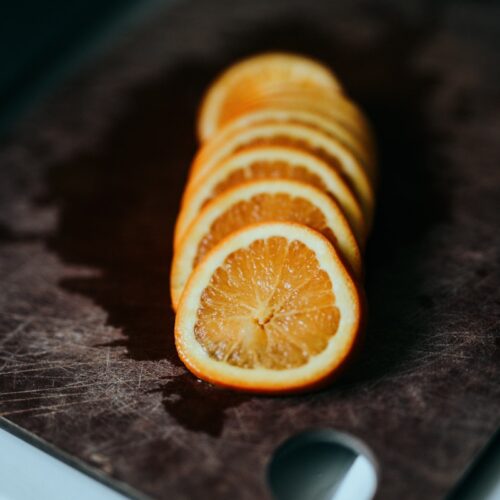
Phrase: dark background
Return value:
(43, 42)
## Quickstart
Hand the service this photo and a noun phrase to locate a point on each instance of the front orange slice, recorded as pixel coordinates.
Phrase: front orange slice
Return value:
(270, 162)
(262, 201)
(256, 77)
(271, 309)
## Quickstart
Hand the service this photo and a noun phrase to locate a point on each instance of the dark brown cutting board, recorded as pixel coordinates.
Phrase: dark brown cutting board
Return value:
(89, 190)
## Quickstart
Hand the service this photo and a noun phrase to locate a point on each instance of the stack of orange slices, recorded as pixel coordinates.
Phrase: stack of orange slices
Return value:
(267, 270)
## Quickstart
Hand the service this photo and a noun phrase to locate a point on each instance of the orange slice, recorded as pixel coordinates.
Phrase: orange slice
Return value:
(271, 309)
(259, 76)
(293, 114)
(334, 106)
(262, 201)
(270, 162)
(289, 134)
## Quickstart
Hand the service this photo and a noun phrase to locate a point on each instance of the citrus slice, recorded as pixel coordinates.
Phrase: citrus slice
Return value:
(270, 162)
(307, 138)
(334, 106)
(271, 309)
(258, 76)
(262, 201)
(277, 113)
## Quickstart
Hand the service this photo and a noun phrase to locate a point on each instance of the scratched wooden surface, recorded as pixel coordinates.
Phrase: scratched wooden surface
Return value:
(89, 188)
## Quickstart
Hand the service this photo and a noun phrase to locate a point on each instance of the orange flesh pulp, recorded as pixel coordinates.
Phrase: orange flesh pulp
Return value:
(267, 170)
(262, 304)
(261, 208)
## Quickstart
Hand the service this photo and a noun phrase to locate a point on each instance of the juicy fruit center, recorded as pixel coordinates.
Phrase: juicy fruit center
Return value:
(263, 207)
(269, 305)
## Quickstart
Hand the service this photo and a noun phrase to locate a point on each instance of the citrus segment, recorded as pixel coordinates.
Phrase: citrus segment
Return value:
(309, 139)
(271, 309)
(258, 76)
(262, 201)
(335, 107)
(276, 112)
(270, 162)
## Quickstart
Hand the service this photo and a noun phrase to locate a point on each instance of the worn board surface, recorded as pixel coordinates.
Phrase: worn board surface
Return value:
(89, 189)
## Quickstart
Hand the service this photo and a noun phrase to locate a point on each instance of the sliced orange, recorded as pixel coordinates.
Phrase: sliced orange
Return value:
(334, 106)
(271, 309)
(302, 136)
(276, 113)
(257, 76)
(262, 201)
(270, 162)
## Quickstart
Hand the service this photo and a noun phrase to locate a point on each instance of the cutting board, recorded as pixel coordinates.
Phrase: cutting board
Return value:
(90, 185)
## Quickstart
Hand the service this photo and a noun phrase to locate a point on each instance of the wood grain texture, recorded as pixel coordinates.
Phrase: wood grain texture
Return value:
(89, 190)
